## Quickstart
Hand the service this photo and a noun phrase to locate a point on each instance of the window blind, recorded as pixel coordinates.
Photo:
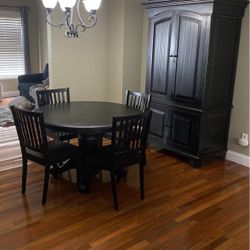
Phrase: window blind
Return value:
(11, 45)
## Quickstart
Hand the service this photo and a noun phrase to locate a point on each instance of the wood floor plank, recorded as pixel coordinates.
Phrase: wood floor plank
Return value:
(184, 208)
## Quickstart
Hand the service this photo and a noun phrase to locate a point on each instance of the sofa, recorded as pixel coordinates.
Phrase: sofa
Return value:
(25, 82)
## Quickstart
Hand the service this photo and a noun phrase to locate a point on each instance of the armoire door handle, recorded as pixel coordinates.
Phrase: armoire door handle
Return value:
(173, 55)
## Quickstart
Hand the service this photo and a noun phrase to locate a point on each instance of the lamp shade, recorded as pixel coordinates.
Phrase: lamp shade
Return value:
(67, 4)
(91, 5)
(49, 4)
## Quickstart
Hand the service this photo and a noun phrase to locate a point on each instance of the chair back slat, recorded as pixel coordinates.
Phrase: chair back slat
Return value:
(138, 100)
(30, 129)
(53, 96)
(129, 133)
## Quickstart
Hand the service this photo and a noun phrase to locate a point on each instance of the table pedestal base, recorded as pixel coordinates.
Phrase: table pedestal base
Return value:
(89, 144)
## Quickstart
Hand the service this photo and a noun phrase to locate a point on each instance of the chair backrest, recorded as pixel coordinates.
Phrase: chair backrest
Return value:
(30, 129)
(130, 133)
(138, 100)
(52, 96)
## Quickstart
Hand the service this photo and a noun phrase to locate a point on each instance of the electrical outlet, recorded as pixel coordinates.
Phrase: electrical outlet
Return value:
(243, 141)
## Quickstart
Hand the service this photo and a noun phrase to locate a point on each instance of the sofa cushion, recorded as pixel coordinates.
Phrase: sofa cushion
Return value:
(24, 89)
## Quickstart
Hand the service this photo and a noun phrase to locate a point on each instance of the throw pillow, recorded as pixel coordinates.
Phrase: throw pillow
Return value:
(22, 103)
(46, 83)
(36, 88)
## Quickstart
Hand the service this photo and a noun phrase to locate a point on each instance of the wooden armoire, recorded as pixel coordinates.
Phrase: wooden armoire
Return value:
(192, 58)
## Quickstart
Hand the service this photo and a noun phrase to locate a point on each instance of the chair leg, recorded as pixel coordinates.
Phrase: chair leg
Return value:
(122, 173)
(55, 170)
(142, 179)
(144, 159)
(24, 174)
(45, 184)
(113, 183)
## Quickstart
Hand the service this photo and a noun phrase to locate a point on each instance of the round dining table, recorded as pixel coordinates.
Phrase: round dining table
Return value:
(84, 117)
(90, 120)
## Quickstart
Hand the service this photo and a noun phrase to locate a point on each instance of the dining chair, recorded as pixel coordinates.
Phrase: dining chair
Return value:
(129, 141)
(138, 100)
(55, 96)
(35, 146)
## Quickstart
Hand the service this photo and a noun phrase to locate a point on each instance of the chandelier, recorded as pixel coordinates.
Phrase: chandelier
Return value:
(67, 6)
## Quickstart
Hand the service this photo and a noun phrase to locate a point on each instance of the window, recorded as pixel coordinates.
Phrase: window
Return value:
(11, 45)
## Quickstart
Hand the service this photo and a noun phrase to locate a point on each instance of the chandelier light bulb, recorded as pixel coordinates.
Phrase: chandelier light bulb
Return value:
(92, 5)
(67, 4)
(49, 4)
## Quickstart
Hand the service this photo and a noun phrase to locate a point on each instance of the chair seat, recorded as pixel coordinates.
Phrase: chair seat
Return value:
(57, 151)
(105, 159)
(107, 135)
(61, 135)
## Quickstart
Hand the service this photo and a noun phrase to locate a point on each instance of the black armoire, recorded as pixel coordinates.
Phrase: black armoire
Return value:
(192, 57)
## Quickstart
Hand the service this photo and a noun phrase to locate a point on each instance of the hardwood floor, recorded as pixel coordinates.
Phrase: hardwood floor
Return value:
(184, 208)
(5, 101)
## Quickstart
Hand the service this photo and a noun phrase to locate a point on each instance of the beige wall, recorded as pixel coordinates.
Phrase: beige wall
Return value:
(80, 63)
(240, 113)
(106, 60)
(42, 35)
(125, 27)
(115, 52)
(144, 51)
(133, 31)
(11, 85)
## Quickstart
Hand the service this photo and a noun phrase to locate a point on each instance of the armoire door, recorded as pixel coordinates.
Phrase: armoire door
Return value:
(159, 128)
(183, 131)
(159, 71)
(161, 45)
(190, 58)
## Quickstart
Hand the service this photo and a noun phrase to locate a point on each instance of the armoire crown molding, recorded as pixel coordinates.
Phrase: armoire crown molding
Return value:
(166, 3)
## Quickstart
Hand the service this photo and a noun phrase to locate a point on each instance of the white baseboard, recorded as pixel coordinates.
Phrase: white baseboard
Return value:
(238, 158)
(11, 93)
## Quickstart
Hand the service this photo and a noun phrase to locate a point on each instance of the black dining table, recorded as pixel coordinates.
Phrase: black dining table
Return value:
(90, 120)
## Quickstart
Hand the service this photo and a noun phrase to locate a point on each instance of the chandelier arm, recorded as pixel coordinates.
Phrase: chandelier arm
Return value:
(72, 29)
(83, 28)
(50, 17)
(92, 18)
(67, 21)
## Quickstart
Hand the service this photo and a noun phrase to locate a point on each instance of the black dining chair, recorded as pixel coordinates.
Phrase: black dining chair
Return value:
(55, 96)
(138, 100)
(129, 140)
(35, 146)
